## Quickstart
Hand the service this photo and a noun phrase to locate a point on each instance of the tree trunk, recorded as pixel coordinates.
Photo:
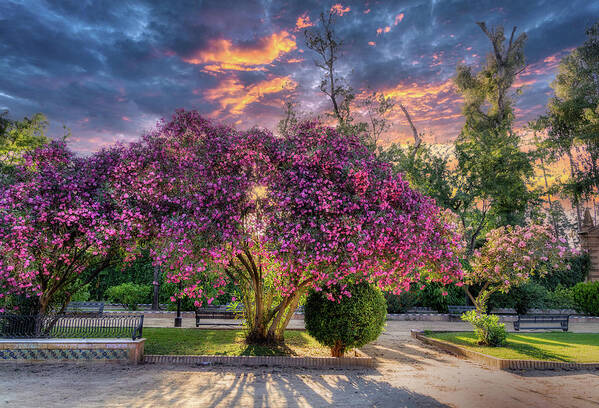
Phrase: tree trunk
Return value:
(338, 350)
(156, 283)
(576, 201)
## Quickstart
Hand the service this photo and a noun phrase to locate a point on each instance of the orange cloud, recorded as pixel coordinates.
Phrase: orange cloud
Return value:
(233, 96)
(222, 54)
(371, 43)
(339, 9)
(379, 31)
(398, 18)
(387, 29)
(126, 118)
(434, 107)
(295, 60)
(303, 21)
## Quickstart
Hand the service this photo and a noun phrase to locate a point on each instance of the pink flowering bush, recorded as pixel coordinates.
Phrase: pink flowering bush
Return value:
(510, 256)
(277, 216)
(57, 220)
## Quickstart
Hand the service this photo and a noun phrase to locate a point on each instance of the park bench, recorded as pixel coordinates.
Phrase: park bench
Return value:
(217, 313)
(542, 322)
(456, 311)
(66, 326)
(86, 308)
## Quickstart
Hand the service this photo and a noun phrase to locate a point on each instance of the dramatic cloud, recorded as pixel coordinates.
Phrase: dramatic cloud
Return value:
(223, 55)
(109, 70)
(233, 96)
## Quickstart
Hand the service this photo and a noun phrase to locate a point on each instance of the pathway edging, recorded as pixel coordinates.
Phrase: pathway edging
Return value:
(285, 361)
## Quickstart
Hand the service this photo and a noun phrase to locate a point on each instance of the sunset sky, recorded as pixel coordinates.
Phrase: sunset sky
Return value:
(110, 70)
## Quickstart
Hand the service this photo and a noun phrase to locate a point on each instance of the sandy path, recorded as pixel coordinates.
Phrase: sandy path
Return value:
(411, 375)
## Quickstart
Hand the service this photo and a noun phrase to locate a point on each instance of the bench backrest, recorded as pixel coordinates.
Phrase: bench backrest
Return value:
(70, 326)
(542, 318)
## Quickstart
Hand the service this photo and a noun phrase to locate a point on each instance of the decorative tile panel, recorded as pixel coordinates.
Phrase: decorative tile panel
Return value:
(63, 354)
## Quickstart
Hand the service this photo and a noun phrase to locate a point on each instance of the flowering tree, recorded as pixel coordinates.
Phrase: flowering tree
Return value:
(510, 256)
(57, 220)
(278, 216)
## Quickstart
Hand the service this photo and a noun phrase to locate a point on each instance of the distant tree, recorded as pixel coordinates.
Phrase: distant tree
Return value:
(18, 137)
(377, 107)
(510, 257)
(490, 162)
(572, 119)
(289, 120)
(324, 41)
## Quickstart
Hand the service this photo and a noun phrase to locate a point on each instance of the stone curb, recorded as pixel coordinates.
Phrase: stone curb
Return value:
(500, 363)
(253, 361)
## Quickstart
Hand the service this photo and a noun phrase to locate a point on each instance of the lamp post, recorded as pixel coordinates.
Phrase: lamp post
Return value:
(178, 319)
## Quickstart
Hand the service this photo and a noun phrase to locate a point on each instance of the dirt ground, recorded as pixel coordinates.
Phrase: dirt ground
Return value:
(410, 375)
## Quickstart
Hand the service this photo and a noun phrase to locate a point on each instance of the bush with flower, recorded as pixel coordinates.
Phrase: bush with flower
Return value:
(510, 256)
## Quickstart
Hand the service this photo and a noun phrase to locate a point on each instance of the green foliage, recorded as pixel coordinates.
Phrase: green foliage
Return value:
(352, 322)
(129, 294)
(490, 163)
(82, 295)
(433, 296)
(579, 269)
(402, 302)
(18, 137)
(572, 121)
(487, 328)
(560, 298)
(528, 296)
(139, 271)
(586, 298)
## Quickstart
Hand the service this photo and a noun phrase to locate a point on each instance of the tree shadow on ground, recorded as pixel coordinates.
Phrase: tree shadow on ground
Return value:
(286, 388)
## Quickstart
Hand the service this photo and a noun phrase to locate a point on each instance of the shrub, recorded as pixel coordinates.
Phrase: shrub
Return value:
(528, 296)
(522, 298)
(129, 294)
(402, 302)
(433, 296)
(346, 323)
(487, 328)
(560, 298)
(586, 298)
(578, 270)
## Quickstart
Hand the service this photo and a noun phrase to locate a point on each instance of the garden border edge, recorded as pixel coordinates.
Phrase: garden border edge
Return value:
(270, 361)
(499, 363)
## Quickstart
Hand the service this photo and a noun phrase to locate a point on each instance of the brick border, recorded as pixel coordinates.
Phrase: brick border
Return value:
(500, 363)
(253, 361)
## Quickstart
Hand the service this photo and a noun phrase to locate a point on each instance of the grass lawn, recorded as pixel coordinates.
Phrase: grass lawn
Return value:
(552, 346)
(175, 341)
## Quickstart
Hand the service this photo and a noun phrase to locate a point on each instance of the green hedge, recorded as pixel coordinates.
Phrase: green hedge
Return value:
(586, 298)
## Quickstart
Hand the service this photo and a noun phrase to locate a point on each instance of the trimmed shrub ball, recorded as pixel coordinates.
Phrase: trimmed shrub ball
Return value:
(352, 322)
